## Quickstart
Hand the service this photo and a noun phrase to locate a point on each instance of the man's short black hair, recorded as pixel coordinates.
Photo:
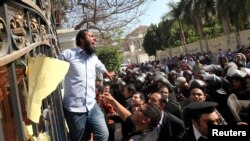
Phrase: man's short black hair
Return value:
(141, 95)
(80, 34)
(154, 113)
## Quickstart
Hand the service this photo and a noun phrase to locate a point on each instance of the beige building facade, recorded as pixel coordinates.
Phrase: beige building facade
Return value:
(132, 50)
(66, 38)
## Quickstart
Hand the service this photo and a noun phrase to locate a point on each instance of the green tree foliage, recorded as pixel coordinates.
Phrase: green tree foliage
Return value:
(187, 14)
(192, 36)
(170, 33)
(213, 29)
(110, 57)
(152, 40)
(247, 24)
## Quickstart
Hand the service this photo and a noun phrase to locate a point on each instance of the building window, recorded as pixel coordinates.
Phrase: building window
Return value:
(137, 45)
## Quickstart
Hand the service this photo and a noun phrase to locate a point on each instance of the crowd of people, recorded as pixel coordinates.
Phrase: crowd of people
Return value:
(190, 92)
(173, 99)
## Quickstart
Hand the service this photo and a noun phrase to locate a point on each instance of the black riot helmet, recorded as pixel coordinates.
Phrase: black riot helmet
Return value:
(213, 82)
(196, 83)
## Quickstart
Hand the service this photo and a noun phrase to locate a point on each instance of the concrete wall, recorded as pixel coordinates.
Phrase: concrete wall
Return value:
(213, 45)
(245, 37)
(135, 58)
(193, 48)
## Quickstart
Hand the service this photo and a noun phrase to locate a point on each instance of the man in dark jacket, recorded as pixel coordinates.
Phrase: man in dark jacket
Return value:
(201, 114)
(170, 126)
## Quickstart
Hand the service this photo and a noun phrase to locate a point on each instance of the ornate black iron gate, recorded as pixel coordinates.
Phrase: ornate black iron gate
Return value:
(27, 29)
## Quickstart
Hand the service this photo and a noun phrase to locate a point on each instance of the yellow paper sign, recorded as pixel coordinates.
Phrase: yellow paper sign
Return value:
(44, 76)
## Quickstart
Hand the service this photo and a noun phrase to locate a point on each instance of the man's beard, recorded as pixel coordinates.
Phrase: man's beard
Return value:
(88, 49)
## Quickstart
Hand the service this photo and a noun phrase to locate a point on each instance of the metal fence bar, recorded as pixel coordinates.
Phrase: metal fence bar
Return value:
(53, 117)
(61, 122)
(16, 102)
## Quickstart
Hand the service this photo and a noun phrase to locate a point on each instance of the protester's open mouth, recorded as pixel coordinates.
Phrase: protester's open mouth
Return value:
(93, 44)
